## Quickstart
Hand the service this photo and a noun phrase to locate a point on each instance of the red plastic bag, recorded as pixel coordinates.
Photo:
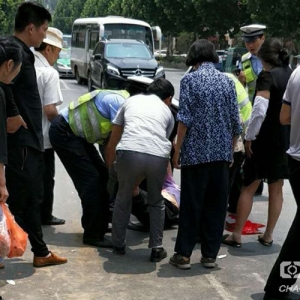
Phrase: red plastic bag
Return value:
(4, 236)
(249, 227)
(18, 237)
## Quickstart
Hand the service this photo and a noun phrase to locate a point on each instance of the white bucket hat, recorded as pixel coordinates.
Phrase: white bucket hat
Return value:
(54, 37)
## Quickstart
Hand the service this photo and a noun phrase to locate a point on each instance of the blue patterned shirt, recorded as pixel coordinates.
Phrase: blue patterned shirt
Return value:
(208, 108)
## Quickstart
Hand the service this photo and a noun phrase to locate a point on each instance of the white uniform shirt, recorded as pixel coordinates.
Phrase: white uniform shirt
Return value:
(292, 97)
(148, 123)
(49, 90)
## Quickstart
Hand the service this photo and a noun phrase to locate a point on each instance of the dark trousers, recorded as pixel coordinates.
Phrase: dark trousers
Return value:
(290, 251)
(24, 179)
(236, 181)
(203, 202)
(88, 173)
(140, 209)
(48, 181)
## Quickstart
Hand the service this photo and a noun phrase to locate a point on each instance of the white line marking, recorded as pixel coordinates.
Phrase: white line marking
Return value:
(66, 87)
(259, 278)
(219, 288)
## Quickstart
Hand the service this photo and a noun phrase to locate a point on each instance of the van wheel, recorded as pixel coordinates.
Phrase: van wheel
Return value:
(90, 83)
(78, 78)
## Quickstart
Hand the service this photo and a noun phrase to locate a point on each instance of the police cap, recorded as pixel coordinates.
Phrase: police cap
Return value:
(252, 32)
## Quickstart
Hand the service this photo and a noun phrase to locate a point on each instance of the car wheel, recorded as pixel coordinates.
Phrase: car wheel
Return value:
(90, 83)
(78, 78)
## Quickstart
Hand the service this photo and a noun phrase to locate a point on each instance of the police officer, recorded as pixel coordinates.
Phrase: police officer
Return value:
(72, 134)
(236, 179)
(251, 66)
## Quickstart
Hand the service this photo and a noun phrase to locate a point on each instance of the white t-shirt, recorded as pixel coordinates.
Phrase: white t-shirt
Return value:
(292, 97)
(49, 90)
(148, 123)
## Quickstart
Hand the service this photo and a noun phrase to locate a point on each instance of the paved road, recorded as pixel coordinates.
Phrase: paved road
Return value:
(93, 274)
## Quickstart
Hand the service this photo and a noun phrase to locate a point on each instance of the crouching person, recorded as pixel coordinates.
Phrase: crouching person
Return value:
(72, 134)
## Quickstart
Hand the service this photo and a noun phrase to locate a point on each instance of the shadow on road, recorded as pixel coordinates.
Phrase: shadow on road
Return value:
(257, 296)
(253, 249)
(18, 269)
(135, 261)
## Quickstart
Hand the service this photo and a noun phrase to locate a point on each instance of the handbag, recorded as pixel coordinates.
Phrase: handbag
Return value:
(18, 237)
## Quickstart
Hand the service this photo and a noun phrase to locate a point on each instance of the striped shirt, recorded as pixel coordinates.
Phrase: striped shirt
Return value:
(148, 123)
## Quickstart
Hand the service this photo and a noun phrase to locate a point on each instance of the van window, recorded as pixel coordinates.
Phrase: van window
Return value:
(78, 36)
(94, 38)
(99, 49)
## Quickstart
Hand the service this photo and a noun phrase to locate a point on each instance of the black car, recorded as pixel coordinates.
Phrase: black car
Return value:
(113, 61)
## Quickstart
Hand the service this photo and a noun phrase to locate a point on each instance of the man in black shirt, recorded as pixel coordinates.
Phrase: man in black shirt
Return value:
(24, 172)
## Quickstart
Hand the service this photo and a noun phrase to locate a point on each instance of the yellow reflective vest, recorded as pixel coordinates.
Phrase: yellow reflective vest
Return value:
(244, 103)
(250, 74)
(85, 119)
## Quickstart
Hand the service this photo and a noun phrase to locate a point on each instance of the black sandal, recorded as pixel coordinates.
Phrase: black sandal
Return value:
(230, 243)
(264, 242)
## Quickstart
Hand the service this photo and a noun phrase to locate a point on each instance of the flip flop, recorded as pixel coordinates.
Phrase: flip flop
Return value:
(263, 242)
(230, 243)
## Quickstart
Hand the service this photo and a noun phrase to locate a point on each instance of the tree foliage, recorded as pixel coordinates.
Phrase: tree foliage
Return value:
(282, 17)
(96, 8)
(65, 14)
(8, 10)
(202, 18)
(222, 16)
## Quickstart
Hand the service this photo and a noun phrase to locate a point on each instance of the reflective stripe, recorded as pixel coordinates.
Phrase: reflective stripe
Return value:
(86, 121)
(246, 56)
(84, 98)
(243, 102)
(251, 77)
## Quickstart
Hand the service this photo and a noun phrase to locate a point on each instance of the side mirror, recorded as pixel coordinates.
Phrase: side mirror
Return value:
(97, 56)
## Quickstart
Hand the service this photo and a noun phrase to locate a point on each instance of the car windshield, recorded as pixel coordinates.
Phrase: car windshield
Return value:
(127, 50)
(64, 54)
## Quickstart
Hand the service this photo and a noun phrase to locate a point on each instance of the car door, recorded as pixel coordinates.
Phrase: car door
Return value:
(98, 62)
(95, 64)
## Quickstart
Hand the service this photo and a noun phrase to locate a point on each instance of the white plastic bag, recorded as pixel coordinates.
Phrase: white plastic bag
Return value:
(4, 235)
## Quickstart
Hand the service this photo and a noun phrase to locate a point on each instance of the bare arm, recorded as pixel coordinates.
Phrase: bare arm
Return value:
(110, 151)
(181, 132)
(285, 114)
(3, 189)
(50, 111)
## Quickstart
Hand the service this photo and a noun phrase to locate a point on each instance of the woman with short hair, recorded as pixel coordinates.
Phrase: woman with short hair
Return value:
(208, 126)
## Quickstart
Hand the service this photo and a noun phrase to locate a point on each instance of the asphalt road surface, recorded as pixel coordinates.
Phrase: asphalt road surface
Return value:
(93, 274)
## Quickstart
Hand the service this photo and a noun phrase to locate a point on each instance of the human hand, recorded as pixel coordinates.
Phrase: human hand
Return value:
(3, 193)
(242, 78)
(248, 148)
(176, 160)
(14, 123)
